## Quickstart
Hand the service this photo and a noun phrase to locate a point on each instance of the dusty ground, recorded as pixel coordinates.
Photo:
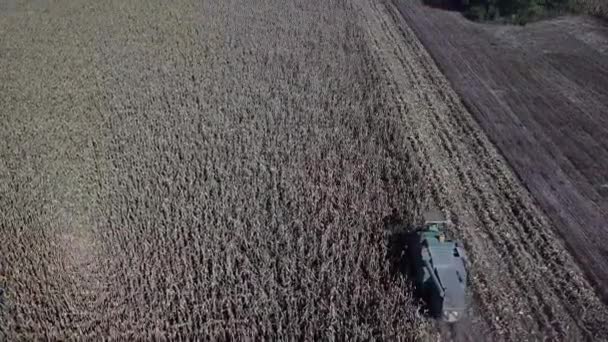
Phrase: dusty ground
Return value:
(225, 170)
(541, 94)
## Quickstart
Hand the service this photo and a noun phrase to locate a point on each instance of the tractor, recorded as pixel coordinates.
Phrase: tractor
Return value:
(440, 269)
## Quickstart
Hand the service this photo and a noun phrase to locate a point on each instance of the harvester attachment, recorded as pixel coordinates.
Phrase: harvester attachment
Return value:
(440, 269)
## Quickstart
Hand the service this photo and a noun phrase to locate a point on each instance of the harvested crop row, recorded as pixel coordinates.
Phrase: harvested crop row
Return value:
(526, 286)
(541, 104)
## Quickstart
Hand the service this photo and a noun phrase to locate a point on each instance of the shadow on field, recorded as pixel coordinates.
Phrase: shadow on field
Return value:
(396, 233)
(402, 247)
(401, 238)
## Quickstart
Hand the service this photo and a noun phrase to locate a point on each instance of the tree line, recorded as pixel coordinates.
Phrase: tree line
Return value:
(516, 11)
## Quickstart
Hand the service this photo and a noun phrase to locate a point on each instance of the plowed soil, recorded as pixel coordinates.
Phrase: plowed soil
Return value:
(541, 94)
(526, 285)
(224, 171)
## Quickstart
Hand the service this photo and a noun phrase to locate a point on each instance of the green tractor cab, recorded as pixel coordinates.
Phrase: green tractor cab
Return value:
(440, 269)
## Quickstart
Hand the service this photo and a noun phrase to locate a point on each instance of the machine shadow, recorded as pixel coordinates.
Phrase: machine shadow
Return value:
(402, 245)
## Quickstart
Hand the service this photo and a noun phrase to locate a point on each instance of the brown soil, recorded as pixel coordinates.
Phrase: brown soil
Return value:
(540, 92)
(526, 286)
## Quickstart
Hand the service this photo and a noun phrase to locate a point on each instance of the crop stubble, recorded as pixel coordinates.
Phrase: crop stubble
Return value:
(526, 285)
(543, 105)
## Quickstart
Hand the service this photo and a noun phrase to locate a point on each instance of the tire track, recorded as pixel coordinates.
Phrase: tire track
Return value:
(527, 223)
(545, 316)
(519, 220)
(423, 156)
(501, 224)
(536, 147)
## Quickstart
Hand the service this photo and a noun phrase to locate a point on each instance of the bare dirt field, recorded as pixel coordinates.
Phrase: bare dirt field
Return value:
(526, 286)
(541, 94)
(223, 170)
